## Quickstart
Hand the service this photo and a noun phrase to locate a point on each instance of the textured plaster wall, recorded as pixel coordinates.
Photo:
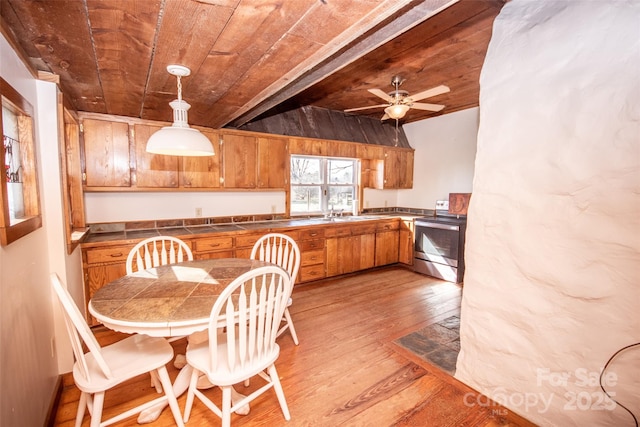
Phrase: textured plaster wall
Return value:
(552, 286)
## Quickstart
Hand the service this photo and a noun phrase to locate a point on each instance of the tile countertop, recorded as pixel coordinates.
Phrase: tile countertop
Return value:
(125, 236)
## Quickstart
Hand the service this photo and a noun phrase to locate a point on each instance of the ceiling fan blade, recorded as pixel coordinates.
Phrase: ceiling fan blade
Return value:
(438, 90)
(427, 107)
(365, 108)
(385, 117)
(381, 94)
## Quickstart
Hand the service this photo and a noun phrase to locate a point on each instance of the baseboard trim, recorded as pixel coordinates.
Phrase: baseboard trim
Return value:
(55, 402)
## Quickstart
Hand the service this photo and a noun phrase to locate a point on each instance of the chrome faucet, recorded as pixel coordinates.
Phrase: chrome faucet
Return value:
(333, 213)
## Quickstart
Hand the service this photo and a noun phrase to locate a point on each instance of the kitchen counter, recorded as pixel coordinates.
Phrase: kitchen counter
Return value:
(125, 236)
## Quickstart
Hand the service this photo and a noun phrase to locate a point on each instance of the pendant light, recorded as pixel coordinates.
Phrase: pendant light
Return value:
(179, 139)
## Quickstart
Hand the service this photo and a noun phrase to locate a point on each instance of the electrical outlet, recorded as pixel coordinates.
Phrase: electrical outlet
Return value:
(198, 212)
(386, 203)
(53, 347)
(273, 208)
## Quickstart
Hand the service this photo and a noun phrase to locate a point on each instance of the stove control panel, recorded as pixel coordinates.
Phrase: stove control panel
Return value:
(442, 205)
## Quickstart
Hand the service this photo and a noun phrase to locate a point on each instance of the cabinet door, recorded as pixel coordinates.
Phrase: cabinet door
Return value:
(273, 163)
(398, 168)
(406, 179)
(349, 254)
(98, 276)
(153, 170)
(106, 153)
(365, 251)
(202, 172)
(338, 256)
(387, 247)
(239, 161)
(406, 247)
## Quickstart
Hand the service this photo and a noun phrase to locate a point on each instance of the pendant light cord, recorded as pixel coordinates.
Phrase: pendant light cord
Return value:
(396, 132)
(179, 88)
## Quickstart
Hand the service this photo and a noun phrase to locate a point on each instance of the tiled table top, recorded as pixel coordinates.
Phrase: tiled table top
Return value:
(170, 300)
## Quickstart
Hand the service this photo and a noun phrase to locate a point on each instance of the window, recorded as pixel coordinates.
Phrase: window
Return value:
(19, 199)
(319, 184)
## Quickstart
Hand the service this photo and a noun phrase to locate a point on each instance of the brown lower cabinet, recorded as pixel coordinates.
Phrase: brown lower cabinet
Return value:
(326, 250)
(350, 247)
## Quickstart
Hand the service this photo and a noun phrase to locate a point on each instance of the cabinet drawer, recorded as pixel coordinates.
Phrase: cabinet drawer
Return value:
(310, 245)
(312, 257)
(311, 233)
(387, 226)
(214, 255)
(113, 254)
(294, 234)
(312, 272)
(337, 232)
(213, 244)
(363, 229)
(247, 241)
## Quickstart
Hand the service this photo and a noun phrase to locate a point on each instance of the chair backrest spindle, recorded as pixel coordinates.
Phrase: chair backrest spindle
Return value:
(79, 331)
(155, 251)
(250, 308)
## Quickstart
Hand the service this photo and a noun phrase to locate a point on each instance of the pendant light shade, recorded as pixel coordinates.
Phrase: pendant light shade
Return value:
(179, 139)
(397, 111)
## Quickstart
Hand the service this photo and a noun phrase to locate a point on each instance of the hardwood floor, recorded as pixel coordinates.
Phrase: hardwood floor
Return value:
(347, 369)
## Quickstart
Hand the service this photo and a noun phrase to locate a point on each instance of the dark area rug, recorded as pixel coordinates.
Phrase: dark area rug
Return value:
(438, 344)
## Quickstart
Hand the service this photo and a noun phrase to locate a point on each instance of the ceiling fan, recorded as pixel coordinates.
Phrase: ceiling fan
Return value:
(399, 101)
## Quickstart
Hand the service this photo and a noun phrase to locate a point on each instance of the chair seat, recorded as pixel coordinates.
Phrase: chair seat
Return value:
(123, 357)
(198, 356)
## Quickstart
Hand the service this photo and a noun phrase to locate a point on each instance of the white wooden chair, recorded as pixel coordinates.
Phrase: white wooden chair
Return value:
(281, 250)
(158, 250)
(249, 312)
(103, 368)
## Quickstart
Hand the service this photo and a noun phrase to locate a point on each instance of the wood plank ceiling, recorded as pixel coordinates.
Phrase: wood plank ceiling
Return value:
(252, 57)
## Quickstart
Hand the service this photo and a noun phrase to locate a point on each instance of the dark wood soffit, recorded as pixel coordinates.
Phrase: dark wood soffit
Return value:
(313, 122)
(405, 19)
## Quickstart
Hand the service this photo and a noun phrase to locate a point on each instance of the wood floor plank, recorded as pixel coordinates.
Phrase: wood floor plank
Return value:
(347, 370)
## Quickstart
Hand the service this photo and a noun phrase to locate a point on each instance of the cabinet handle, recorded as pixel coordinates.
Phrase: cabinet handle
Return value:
(214, 245)
(314, 234)
(119, 254)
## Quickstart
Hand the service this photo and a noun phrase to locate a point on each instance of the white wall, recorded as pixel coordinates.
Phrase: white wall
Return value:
(117, 207)
(28, 369)
(553, 238)
(445, 151)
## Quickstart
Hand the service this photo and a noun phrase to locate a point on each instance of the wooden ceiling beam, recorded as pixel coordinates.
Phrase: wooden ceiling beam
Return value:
(386, 28)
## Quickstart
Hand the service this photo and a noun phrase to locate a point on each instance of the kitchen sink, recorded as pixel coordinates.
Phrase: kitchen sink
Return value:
(349, 218)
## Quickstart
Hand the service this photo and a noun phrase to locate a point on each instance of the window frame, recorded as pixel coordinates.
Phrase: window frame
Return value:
(324, 185)
(32, 219)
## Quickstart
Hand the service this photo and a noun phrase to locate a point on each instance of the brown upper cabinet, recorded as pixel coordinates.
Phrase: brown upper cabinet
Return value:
(115, 159)
(239, 160)
(152, 170)
(398, 168)
(273, 162)
(166, 172)
(202, 172)
(106, 153)
(251, 161)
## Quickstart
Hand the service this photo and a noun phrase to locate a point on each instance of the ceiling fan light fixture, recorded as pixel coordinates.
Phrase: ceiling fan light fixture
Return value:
(396, 111)
(179, 139)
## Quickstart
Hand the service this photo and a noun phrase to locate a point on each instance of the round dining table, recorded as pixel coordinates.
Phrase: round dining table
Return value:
(167, 301)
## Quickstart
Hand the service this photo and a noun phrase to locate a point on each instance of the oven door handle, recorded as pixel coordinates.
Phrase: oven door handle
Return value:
(436, 225)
